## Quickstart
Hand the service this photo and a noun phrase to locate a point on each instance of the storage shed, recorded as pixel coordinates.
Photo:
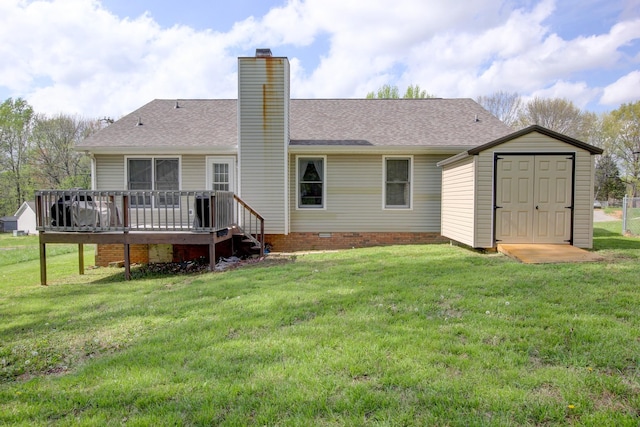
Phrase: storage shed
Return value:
(8, 224)
(26, 215)
(532, 186)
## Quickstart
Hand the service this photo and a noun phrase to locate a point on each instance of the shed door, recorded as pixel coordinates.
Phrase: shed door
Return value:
(533, 199)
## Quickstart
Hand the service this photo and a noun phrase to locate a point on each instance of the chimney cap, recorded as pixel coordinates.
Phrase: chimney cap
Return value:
(263, 53)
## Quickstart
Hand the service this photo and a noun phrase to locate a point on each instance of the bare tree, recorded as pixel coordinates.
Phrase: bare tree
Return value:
(557, 114)
(57, 164)
(504, 105)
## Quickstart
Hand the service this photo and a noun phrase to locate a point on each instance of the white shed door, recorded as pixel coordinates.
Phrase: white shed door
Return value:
(533, 199)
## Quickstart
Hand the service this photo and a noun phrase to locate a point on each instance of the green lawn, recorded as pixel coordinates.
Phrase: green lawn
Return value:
(403, 335)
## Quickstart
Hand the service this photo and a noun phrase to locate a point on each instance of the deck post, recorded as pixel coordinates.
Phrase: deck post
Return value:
(214, 226)
(80, 259)
(261, 238)
(212, 212)
(125, 223)
(212, 253)
(43, 264)
(43, 251)
(127, 262)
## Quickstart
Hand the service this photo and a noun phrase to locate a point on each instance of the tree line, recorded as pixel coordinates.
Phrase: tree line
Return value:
(617, 132)
(37, 152)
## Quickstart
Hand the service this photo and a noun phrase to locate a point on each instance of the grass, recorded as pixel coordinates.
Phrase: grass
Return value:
(404, 335)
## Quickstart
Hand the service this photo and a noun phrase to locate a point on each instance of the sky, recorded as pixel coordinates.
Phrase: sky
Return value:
(106, 58)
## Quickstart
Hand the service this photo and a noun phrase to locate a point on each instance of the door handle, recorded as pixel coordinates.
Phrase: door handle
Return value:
(536, 207)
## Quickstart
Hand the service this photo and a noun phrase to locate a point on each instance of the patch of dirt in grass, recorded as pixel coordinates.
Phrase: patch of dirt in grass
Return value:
(616, 213)
(548, 391)
(201, 266)
(609, 401)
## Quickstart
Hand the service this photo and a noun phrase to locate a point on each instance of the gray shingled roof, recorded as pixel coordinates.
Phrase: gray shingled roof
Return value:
(393, 122)
(201, 124)
(195, 124)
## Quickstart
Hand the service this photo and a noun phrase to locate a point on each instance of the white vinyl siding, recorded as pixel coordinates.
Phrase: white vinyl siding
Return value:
(109, 172)
(193, 172)
(458, 201)
(354, 192)
(263, 103)
(538, 143)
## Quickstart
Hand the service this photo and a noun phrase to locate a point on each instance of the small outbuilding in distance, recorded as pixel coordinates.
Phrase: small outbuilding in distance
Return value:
(532, 186)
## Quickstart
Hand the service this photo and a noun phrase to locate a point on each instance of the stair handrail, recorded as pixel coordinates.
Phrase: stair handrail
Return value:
(258, 217)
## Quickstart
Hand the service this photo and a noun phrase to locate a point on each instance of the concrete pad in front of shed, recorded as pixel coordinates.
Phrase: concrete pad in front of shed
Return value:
(547, 254)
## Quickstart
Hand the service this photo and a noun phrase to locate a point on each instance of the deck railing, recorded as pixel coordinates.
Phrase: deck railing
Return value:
(150, 211)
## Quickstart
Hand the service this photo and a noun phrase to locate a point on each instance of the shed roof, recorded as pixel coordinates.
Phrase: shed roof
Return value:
(23, 207)
(533, 128)
(537, 128)
(212, 124)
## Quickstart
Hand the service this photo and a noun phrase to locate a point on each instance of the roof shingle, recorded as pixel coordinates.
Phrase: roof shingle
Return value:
(202, 124)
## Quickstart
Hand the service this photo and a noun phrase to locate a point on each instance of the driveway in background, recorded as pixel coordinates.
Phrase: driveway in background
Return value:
(600, 216)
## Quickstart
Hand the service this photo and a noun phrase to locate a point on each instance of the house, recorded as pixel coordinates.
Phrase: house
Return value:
(8, 224)
(336, 173)
(26, 216)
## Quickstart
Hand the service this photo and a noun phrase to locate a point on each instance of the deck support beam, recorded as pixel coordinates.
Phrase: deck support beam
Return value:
(212, 253)
(43, 264)
(127, 262)
(81, 258)
(127, 239)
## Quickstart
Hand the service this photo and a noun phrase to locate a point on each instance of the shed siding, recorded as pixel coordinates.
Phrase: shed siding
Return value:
(458, 201)
(536, 143)
(263, 102)
(354, 195)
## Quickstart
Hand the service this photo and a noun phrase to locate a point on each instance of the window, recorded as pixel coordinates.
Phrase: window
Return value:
(397, 177)
(311, 182)
(161, 174)
(221, 176)
(221, 173)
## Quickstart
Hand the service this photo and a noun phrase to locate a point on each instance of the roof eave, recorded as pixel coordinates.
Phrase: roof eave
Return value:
(224, 149)
(376, 149)
(453, 159)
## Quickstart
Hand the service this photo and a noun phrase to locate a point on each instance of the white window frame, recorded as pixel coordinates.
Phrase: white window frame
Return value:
(232, 171)
(153, 171)
(384, 183)
(324, 183)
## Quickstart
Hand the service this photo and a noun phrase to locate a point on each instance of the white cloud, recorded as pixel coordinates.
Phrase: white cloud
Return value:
(75, 56)
(578, 92)
(625, 89)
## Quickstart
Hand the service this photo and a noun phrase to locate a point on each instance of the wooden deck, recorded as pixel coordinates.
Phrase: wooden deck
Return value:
(127, 239)
(136, 217)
